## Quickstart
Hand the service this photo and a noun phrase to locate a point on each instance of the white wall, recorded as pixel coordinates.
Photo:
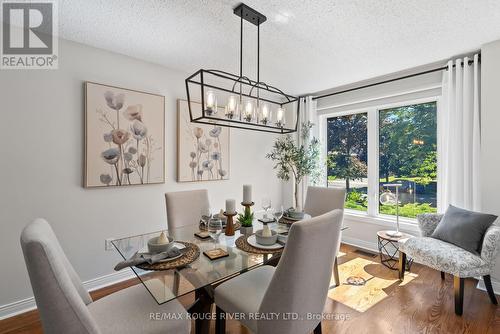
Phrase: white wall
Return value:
(490, 137)
(41, 161)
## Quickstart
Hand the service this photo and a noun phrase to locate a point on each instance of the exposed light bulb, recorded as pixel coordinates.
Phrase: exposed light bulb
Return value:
(279, 117)
(248, 111)
(265, 114)
(211, 103)
(231, 107)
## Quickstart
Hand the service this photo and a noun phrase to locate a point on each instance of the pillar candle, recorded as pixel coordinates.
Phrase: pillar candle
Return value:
(247, 193)
(230, 206)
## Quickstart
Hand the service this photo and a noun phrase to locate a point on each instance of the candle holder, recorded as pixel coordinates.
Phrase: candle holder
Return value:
(247, 207)
(229, 224)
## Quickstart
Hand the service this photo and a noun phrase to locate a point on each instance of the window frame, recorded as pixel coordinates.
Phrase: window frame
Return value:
(373, 154)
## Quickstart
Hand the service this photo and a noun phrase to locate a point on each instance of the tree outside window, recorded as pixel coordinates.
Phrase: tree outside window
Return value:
(407, 155)
(347, 157)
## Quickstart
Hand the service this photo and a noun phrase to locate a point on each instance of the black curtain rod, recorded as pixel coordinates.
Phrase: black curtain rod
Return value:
(443, 68)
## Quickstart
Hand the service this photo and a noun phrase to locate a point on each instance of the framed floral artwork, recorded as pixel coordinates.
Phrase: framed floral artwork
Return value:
(124, 137)
(202, 149)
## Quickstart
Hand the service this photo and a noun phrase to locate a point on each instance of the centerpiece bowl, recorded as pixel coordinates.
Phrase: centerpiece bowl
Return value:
(154, 246)
(266, 241)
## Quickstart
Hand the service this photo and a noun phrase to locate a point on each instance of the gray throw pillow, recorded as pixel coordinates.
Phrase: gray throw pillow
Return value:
(463, 228)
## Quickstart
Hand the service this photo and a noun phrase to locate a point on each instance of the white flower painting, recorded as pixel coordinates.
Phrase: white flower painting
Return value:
(202, 149)
(124, 137)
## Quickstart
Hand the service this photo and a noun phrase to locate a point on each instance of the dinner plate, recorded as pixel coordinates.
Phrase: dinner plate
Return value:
(287, 217)
(253, 242)
(171, 258)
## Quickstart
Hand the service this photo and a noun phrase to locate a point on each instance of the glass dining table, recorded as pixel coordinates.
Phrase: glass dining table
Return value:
(165, 285)
(200, 276)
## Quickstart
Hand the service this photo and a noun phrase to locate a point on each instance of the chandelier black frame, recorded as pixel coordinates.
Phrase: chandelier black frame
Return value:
(255, 88)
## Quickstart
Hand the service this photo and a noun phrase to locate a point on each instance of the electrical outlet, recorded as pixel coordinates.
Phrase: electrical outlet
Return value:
(108, 246)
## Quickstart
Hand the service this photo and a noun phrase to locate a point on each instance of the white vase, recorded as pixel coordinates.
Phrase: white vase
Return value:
(246, 230)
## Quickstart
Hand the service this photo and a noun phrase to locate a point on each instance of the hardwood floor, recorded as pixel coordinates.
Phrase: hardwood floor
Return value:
(422, 304)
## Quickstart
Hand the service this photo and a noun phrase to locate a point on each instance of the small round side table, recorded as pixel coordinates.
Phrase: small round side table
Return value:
(388, 249)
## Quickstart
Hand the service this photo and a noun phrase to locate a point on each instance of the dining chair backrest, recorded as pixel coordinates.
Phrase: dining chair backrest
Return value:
(185, 207)
(320, 200)
(301, 281)
(59, 293)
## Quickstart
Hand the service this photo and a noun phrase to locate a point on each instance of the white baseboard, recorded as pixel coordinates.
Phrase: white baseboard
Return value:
(370, 246)
(106, 280)
(17, 307)
(28, 304)
(494, 283)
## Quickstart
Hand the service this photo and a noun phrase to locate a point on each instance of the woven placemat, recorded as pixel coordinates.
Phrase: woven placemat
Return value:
(237, 226)
(191, 254)
(243, 244)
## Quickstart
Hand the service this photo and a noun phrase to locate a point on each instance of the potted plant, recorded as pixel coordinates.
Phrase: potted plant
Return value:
(297, 161)
(246, 221)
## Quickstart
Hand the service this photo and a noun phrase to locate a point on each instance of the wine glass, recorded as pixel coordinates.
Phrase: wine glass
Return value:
(214, 229)
(206, 214)
(278, 213)
(266, 205)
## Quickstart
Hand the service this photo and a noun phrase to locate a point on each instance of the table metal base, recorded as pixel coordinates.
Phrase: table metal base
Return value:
(389, 254)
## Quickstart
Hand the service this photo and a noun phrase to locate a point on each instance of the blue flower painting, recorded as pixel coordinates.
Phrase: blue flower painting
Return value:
(203, 149)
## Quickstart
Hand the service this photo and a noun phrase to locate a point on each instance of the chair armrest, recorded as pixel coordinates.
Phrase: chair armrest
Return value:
(491, 244)
(427, 223)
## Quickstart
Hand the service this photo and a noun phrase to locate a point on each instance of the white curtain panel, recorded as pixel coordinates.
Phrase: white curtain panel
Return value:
(459, 135)
(307, 113)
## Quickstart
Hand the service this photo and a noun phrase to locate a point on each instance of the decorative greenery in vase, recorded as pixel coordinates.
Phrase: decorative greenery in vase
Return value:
(246, 219)
(297, 160)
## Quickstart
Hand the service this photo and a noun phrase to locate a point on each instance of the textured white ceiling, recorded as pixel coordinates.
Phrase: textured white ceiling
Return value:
(306, 46)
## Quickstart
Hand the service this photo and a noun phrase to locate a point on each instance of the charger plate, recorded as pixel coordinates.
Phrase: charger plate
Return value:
(243, 244)
(190, 254)
(252, 240)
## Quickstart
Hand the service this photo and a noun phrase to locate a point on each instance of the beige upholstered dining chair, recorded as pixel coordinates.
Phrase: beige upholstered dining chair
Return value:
(185, 207)
(320, 200)
(298, 285)
(66, 307)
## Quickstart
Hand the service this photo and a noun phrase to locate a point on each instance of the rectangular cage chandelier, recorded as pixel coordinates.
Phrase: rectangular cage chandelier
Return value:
(236, 101)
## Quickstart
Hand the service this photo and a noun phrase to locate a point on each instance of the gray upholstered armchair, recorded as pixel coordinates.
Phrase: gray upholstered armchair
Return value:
(451, 259)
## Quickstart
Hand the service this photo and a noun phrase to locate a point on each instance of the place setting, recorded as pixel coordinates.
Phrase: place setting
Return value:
(271, 238)
(223, 216)
(162, 253)
(211, 226)
(291, 215)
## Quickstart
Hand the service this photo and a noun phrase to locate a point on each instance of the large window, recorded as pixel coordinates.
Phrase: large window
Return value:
(347, 157)
(407, 155)
(401, 143)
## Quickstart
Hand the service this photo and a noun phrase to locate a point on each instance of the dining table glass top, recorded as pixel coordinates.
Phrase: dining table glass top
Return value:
(166, 285)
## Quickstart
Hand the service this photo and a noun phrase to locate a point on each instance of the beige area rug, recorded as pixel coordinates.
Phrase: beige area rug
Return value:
(379, 280)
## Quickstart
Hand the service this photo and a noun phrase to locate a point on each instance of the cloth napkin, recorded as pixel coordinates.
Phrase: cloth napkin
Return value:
(139, 258)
